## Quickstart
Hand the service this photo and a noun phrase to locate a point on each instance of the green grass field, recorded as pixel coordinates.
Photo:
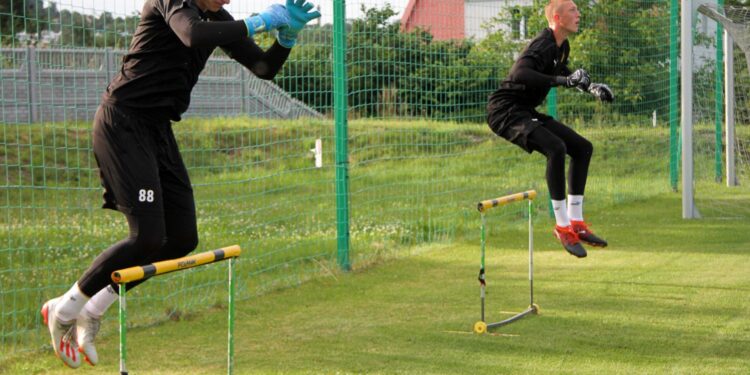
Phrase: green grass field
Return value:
(668, 296)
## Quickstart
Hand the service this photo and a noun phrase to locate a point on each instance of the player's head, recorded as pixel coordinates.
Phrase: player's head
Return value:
(563, 14)
(211, 5)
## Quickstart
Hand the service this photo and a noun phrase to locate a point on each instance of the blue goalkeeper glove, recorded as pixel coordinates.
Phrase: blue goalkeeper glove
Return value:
(273, 18)
(299, 15)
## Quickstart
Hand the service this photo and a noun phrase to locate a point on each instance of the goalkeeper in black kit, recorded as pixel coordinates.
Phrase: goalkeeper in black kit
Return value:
(141, 169)
(512, 115)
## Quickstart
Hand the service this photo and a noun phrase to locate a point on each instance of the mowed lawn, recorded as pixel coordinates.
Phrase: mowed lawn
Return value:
(668, 296)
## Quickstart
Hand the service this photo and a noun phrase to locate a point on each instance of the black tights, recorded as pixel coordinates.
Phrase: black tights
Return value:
(151, 239)
(554, 140)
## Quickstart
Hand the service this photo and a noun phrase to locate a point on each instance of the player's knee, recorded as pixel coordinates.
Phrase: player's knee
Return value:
(587, 147)
(581, 150)
(584, 149)
(180, 244)
(187, 241)
(147, 234)
(149, 240)
(557, 150)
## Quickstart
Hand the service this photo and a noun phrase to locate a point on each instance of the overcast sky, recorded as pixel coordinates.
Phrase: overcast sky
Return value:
(238, 8)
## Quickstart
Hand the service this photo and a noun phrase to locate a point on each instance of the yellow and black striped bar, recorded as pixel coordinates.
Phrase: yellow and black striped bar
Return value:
(141, 272)
(484, 206)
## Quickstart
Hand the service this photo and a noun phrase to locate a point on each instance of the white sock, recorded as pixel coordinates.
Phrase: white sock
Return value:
(575, 207)
(561, 213)
(71, 304)
(100, 302)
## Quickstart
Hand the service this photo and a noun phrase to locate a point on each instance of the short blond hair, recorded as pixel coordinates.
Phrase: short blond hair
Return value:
(552, 8)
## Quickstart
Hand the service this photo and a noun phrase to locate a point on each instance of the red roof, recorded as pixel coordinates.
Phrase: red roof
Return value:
(444, 19)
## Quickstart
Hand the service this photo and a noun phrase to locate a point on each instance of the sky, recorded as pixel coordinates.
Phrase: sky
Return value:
(238, 8)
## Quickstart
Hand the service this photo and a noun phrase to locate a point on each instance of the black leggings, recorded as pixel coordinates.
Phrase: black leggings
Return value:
(554, 140)
(152, 238)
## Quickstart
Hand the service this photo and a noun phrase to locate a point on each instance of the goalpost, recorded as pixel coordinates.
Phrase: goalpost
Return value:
(714, 88)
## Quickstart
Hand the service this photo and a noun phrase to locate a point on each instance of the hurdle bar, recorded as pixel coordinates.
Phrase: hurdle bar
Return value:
(126, 275)
(484, 206)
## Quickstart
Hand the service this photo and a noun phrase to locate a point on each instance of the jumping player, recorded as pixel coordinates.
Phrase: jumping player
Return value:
(142, 172)
(512, 116)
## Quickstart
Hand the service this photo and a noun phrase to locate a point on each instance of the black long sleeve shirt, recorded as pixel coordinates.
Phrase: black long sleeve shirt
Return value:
(533, 74)
(170, 47)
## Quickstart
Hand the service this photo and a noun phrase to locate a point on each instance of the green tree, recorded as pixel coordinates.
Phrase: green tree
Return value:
(375, 49)
(626, 45)
(18, 16)
(308, 73)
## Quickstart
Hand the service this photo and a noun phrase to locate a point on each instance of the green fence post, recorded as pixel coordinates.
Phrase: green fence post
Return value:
(674, 115)
(719, 112)
(552, 102)
(340, 118)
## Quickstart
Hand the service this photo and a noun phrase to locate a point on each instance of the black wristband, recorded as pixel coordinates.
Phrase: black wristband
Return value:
(560, 81)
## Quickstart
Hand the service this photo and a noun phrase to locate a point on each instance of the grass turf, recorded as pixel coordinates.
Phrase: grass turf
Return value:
(667, 296)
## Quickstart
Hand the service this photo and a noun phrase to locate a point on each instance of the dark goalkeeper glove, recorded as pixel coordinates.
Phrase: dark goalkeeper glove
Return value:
(602, 92)
(579, 78)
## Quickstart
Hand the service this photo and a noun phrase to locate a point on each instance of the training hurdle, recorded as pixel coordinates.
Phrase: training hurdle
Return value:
(482, 326)
(123, 276)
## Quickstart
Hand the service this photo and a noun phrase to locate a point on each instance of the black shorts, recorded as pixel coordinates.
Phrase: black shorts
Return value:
(140, 164)
(516, 124)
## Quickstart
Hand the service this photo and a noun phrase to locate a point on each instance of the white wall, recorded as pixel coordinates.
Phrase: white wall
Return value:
(478, 12)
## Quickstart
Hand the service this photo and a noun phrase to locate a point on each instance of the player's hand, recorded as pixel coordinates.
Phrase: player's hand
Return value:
(602, 92)
(580, 79)
(300, 13)
(273, 18)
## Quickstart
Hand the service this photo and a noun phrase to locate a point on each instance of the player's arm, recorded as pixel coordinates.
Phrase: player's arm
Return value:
(194, 32)
(578, 78)
(564, 70)
(223, 29)
(264, 64)
(527, 71)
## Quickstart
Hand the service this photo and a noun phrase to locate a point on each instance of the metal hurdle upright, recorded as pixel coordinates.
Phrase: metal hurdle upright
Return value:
(123, 276)
(482, 326)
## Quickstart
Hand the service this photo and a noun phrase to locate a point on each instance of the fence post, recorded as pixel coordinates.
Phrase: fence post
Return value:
(109, 64)
(33, 83)
(340, 95)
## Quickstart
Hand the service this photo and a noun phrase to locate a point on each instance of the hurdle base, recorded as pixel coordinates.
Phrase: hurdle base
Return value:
(533, 309)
